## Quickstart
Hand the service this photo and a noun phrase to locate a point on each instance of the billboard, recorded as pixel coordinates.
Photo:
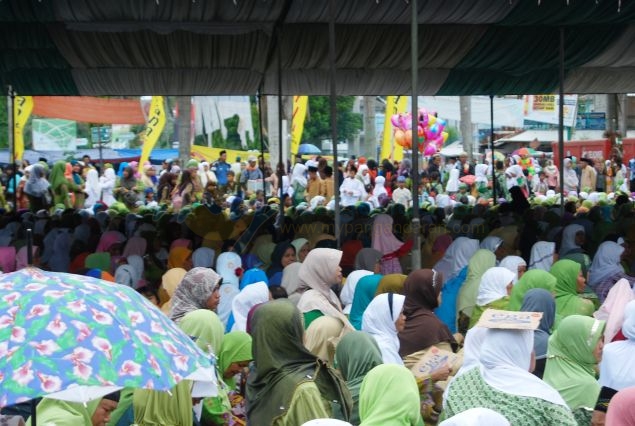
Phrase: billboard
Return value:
(544, 109)
(54, 134)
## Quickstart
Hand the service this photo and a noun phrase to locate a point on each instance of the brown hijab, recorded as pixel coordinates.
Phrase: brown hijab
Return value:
(423, 328)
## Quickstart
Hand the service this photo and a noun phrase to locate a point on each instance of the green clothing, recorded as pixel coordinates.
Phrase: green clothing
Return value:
(124, 404)
(567, 300)
(60, 186)
(480, 262)
(356, 354)
(470, 391)
(99, 261)
(156, 408)
(62, 413)
(582, 258)
(311, 316)
(571, 364)
(307, 404)
(282, 364)
(534, 278)
(390, 396)
(500, 304)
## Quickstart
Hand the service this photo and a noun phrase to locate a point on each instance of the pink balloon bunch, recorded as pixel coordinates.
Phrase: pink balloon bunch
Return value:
(430, 131)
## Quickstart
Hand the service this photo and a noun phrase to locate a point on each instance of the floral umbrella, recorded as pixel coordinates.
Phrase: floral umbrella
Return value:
(78, 338)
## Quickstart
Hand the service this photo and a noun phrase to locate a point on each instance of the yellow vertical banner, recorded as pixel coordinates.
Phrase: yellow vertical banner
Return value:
(154, 127)
(397, 150)
(22, 108)
(300, 104)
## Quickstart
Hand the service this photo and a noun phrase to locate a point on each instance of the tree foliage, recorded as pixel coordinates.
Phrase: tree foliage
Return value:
(317, 125)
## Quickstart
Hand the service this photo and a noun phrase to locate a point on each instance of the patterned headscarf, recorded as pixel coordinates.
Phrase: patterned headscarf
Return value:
(196, 287)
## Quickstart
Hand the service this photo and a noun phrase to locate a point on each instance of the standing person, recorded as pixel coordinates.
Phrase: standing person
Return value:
(463, 165)
(327, 186)
(127, 191)
(93, 188)
(313, 182)
(107, 183)
(352, 189)
(588, 175)
(402, 195)
(252, 172)
(60, 185)
(553, 176)
(183, 193)
(571, 180)
(220, 168)
(37, 189)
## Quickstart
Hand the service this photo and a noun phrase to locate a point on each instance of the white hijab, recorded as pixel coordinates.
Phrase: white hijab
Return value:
(505, 360)
(493, 285)
(617, 369)
(606, 263)
(380, 323)
(512, 263)
(298, 175)
(379, 186)
(138, 266)
(93, 188)
(348, 291)
(249, 297)
(491, 243)
(542, 255)
(453, 181)
(477, 417)
(226, 265)
(456, 257)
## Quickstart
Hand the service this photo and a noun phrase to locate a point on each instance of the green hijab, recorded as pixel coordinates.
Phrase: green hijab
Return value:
(206, 328)
(62, 413)
(389, 396)
(567, 300)
(571, 364)
(480, 262)
(356, 354)
(236, 348)
(99, 261)
(282, 362)
(534, 278)
(56, 177)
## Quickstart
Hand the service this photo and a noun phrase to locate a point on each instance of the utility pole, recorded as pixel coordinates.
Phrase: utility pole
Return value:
(370, 133)
(465, 103)
(185, 129)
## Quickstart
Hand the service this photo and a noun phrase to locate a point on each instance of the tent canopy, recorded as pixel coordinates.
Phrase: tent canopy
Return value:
(231, 47)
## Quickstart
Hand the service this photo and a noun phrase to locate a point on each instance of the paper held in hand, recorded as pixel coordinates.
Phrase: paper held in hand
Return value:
(432, 360)
(511, 320)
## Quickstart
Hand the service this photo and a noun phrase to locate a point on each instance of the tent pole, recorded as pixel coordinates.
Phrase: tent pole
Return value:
(262, 142)
(561, 119)
(491, 145)
(11, 139)
(414, 56)
(333, 101)
(281, 163)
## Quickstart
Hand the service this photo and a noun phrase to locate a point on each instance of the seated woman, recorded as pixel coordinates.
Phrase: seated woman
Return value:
(356, 354)
(384, 319)
(493, 292)
(503, 383)
(283, 255)
(539, 300)
(606, 269)
(534, 278)
(575, 349)
(389, 396)
(570, 283)
(289, 385)
(63, 413)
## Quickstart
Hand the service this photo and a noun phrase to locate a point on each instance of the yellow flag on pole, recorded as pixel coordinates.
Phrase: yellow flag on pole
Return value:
(154, 127)
(390, 150)
(22, 108)
(300, 104)
(400, 107)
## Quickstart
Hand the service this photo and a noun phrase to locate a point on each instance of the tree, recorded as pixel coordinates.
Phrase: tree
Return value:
(317, 125)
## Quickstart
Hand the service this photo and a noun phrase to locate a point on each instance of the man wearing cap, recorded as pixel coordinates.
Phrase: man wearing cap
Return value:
(588, 175)
(313, 182)
(252, 172)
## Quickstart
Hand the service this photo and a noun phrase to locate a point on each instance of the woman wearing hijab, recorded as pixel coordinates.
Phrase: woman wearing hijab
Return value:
(356, 354)
(199, 289)
(389, 396)
(93, 189)
(543, 255)
(321, 337)
(454, 269)
(422, 329)
(570, 283)
(540, 300)
(107, 183)
(366, 263)
(282, 256)
(229, 267)
(289, 385)
(37, 189)
(384, 241)
(127, 190)
(384, 319)
(612, 310)
(64, 413)
(61, 186)
(571, 180)
(493, 292)
(575, 349)
(391, 283)
(180, 257)
(136, 246)
(302, 248)
(249, 297)
(606, 269)
(535, 278)
(482, 260)
(291, 283)
(319, 271)
(504, 384)
(515, 264)
(365, 291)
(169, 282)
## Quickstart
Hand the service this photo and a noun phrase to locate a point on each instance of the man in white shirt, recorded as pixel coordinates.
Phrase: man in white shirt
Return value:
(352, 189)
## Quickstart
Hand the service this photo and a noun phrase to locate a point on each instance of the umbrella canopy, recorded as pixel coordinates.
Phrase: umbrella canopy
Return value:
(79, 338)
(468, 179)
(527, 151)
(307, 148)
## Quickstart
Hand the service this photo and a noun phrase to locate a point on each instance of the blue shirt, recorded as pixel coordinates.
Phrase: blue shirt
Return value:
(220, 169)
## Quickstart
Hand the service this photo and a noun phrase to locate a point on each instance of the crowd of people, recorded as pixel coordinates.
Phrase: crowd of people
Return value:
(308, 323)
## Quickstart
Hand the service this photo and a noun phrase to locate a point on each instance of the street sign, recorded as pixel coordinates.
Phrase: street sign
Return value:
(101, 134)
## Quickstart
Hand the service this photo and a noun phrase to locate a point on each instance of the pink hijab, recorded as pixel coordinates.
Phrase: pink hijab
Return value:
(135, 245)
(383, 238)
(108, 239)
(612, 310)
(622, 408)
(21, 259)
(7, 259)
